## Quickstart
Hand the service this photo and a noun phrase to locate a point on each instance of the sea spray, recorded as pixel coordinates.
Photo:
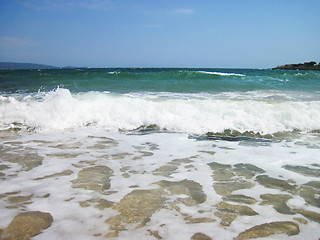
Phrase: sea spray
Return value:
(60, 109)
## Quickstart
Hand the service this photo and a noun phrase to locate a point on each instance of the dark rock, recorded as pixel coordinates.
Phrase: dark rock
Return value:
(300, 66)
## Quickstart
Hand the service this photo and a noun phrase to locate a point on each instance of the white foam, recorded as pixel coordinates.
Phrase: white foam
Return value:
(222, 74)
(59, 109)
(71, 221)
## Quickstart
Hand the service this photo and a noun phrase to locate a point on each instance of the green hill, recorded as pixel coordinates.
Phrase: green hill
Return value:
(300, 66)
(13, 65)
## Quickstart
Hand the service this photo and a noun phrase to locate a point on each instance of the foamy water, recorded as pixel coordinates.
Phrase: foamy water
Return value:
(195, 178)
(161, 153)
(59, 109)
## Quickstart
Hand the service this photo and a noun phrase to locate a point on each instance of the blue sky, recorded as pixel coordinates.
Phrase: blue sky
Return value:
(160, 33)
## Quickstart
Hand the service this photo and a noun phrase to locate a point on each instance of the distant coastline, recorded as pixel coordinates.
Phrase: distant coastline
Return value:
(299, 66)
(13, 65)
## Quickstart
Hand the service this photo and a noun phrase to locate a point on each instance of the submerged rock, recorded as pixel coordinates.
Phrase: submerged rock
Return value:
(247, 170)
(230, 178)
(98, 203)
(222, 175)
(229, 212)
(143, 154)
(310, 195)
(279, 202)
(152, 146)
(19, 201)
(187, 187)
(226, 188)
(166, 170)
(314, 184)
(216, 166)
(301, 220)
(4, 167)
(27, 161)
(275, 183)
(103, 143)
(313, 216)
(306, 171)
(26, 225)
(63, 155)
(136, 208)
(155, 234)
(93, 178)
(191, 220)
(171, 167)
(200, 236)
(70, 145)
(56, 175)
(120, 156)
(268, 229)
(240, 199)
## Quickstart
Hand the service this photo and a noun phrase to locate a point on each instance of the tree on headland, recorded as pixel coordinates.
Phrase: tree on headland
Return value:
(300, 66)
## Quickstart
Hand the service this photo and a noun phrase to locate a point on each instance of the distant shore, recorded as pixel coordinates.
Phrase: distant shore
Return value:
(299, 66)
(13, 65)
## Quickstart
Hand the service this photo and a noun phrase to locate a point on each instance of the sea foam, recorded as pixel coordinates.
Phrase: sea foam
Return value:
(59, 109)
(222, 73)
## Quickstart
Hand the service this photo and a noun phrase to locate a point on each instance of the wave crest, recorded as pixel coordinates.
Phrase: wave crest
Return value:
(222, 73)
(59, 109)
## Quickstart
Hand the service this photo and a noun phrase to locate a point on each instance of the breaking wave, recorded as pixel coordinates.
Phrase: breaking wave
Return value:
(222, 73)
(60, 109)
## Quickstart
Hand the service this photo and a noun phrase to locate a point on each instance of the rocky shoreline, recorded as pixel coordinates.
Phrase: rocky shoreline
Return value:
(300, 66)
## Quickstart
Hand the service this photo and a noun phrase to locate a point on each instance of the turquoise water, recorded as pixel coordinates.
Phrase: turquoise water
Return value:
(195, 101)
(158, 80)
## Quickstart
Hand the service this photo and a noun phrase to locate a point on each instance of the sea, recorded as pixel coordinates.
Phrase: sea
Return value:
(161, 153)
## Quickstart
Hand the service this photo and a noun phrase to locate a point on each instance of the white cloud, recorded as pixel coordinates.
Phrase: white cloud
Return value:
(186, 11)
(6, 41)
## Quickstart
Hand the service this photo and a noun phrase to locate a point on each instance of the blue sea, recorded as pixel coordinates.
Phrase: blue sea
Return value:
(162, 153)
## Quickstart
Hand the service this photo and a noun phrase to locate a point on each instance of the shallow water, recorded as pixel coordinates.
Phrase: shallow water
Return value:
(100, 184)
(160, 154)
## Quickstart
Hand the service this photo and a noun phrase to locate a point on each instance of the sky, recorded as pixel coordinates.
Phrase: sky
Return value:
(160, 33)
